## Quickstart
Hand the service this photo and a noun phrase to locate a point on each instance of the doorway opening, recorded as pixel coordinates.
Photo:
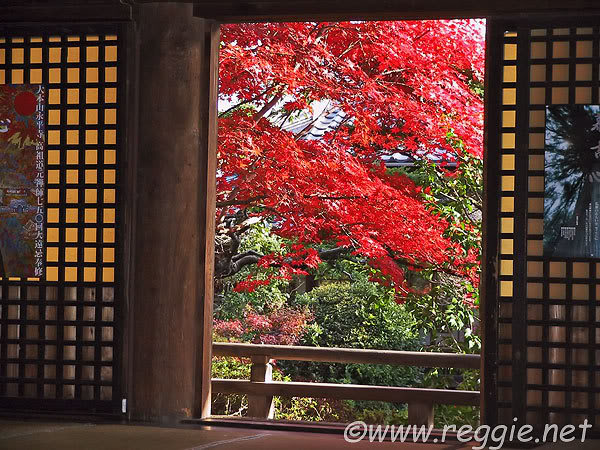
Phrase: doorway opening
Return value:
(349, 218)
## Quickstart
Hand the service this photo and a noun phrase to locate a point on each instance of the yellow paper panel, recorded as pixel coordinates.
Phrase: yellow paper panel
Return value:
(72, 196)
(108, 235)
(91, 95)
(560, 49)
(536, 205)
(535, 248)
(109, 215)
(54, 96)
(508, 118)
(536, 162)
(536, 184)
(507, 204)
(537, 118)
(560, 72)
(90, 235)
(538, 50)
(508, 140)
(73, 117)
(54, 75)
(583, 72)
(35, 76)
(535, 269)
(581, 270)
(91, 176)
(91, 75)
(508, 162)
(537, 72)
(557, 291)
(583, 49)
(72, 156)
(506, 225)
(560, 95)
(90, 215)
(510, 74)
(72, 176)
(558, 269)
(535, 226)
(510, 52)
(580, 292)
(110, 156)
(536, 140)
(89, 254)
(110, 176)
(506, 246)
(73, 96)
(91, 157)
(52, 254)
(53, 117)
(72, 215)
(52, 215)
(508, 183)
(537, 96)
(108, 274)
(71, 254)
(110, 53)
(583, 95)
(534, 290)
(108, 255)
(92, 54)
(73, 54)
(89, 274)
(17, 76)
(509, 96)
(54, 54)
(70, 273)
(52, 273)
(506, 267)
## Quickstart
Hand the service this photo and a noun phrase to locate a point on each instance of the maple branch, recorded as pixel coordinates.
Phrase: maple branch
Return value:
(342, 197)
(250, 100)
(239, 261)
(234, 202)
(267, 107)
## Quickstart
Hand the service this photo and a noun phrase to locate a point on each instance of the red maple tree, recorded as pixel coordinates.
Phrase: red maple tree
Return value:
(401, 86)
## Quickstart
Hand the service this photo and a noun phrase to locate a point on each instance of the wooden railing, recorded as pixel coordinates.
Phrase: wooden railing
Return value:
(261, 389)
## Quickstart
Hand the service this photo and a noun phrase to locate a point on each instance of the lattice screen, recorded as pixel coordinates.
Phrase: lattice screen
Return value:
(59, 336)
(549, 316)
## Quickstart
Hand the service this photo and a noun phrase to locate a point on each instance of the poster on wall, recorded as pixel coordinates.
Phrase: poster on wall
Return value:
(22, 180)
(572, 182)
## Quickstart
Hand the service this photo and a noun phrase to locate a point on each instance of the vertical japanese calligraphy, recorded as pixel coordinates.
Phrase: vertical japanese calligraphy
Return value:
(572, 182)
(22, 180)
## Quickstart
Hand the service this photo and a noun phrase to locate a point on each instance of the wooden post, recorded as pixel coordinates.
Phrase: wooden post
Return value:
(259, 405)
(167, 283)
(420, 414)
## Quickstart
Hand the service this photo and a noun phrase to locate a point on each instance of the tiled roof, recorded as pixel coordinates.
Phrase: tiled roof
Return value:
(313, 128)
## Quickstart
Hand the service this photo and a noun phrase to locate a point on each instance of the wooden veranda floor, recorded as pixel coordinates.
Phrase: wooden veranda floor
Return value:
(42, 435)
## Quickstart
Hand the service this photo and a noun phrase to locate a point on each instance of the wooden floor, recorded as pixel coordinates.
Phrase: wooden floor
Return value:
(37, 435)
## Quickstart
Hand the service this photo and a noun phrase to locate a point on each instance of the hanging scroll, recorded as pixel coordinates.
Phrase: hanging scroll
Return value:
(22, 180)
(572, 182)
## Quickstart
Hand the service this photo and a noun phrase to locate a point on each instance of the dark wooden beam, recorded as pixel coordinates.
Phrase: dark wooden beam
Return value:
(295, 10)
(65, 11)
(347, 355)
(347, 391)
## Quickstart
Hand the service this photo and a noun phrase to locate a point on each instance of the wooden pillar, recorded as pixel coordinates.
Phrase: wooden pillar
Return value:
(420, 414)
(260, 405)
(170, 313)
